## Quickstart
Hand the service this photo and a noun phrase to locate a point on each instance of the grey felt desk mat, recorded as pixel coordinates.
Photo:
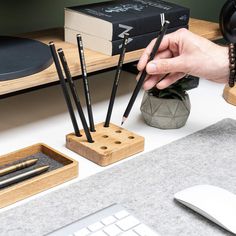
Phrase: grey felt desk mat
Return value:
(144, 185)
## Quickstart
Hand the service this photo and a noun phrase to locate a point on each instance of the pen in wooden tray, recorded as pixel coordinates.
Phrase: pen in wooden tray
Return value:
(116, 80)
(19, 166)
(74, 94)
(85, 81)
(64, 89)
(144, 73)
(23, 176)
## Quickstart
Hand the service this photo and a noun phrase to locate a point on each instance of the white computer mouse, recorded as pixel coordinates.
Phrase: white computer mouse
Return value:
(216, 204)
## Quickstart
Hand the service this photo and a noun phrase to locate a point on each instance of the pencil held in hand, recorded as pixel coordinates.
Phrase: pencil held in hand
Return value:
(144, 73)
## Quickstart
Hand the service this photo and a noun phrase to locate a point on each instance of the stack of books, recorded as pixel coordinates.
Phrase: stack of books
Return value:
(103, 25)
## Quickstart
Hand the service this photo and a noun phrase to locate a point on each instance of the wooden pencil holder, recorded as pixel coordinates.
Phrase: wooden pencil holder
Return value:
(111, 144)
(67, 170)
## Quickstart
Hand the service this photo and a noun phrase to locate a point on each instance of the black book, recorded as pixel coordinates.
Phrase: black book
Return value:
(111, 20)
(113, 47)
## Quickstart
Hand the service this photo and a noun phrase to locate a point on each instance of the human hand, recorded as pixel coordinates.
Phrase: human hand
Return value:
(181, 53)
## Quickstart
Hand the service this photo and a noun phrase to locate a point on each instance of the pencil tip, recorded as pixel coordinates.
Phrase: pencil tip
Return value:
(123, 120)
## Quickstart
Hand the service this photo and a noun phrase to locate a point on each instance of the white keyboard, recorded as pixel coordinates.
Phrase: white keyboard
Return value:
(111, 221)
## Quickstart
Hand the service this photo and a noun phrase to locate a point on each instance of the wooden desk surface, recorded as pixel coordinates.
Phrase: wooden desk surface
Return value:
(95, 61)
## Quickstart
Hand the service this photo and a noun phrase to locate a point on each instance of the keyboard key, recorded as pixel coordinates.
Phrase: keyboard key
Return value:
(128, 223)
(82, 232)
(129, 233)
(98, 233)
(112, 230)
(96, 226)
(121, 214)
(143, 230)
(109, 220)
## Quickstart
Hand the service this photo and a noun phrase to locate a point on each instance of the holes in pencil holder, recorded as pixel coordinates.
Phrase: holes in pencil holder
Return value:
(117, 142)
(118, 131)
(131, 137)
(103, 147)
(105, 136)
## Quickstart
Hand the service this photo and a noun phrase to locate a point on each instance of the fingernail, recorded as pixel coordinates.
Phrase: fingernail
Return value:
(151, 67)
(161, 85)
(140, 65)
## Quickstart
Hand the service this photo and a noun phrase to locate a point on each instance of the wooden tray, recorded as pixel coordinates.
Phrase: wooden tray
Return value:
(24, 189)
(110, 145)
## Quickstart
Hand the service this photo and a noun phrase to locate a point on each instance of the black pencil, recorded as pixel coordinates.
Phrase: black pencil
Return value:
(116, 81)
(85, 81)
(64, 88)
(144, 73)
(74, 94)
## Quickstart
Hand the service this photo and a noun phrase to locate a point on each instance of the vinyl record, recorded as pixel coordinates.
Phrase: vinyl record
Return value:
(21, 57)
(228, 21)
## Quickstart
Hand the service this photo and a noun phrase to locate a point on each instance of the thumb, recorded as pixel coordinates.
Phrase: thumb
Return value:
(165, 66)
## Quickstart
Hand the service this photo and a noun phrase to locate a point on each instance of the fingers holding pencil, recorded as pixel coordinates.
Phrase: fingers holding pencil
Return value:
(140, 82)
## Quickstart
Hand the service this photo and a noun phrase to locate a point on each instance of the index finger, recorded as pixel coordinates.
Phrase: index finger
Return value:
(146, 54)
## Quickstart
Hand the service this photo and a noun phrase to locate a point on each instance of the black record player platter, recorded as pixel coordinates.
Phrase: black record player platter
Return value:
(21, 57)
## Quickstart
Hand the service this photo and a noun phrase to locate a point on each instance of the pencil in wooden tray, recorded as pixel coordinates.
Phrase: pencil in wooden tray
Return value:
(23, 176)
(19, 166)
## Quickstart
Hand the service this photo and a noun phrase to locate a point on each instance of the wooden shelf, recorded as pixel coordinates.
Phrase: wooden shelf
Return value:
(95, 61)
